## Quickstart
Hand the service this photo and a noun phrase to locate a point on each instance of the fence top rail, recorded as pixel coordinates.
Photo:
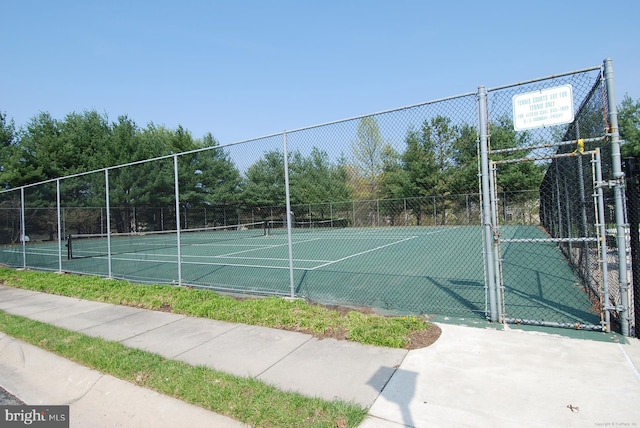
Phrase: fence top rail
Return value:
(439, 100)
(540, 79)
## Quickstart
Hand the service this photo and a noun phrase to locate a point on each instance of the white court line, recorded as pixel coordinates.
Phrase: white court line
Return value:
(219, 256)
(124, 259)
(36, 253)
(263, 248)
(252, 258)
(271, 246)
(363, 252)
(379, 248)
(186, 244)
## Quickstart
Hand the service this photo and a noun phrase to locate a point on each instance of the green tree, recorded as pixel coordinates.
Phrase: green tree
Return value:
(218, 176)
(82, 141)
(264, 184)
(316, 180)
(393, 182)
(9, 202)
(464, 177)
(209, 181)
(7, 145)
(125, 143)
(426, 165)
(442, 135)
(7, 131)
(519, 176)
(367, 152)
(313, 179)
(36, 154)
(629, 126)
(144, 192)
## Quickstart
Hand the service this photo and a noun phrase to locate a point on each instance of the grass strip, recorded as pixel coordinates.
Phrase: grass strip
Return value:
(244, 399)
(274, 312)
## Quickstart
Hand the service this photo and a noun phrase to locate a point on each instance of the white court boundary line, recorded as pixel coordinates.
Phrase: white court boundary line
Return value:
(379, 248)
(124, 259)
(263, 247)
(279, 267)
(362, 252)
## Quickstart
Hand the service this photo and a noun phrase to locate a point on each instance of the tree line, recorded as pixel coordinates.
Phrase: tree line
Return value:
(435, 158)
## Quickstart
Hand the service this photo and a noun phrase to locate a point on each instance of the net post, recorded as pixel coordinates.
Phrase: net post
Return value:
(69, 247)
(486, 210)
(618, 177)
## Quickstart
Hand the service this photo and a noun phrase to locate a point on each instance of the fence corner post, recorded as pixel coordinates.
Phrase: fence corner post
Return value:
(618, 177)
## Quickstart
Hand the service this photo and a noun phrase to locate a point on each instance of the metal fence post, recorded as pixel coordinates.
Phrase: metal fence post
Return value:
(486, 211)
(58, 213)
(23, 231)
(288, 214)
(177, 198)
(599, 195)
(108, 209)
(618, 189)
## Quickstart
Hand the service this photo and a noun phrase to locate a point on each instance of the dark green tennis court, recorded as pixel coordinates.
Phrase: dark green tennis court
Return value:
(429, 270)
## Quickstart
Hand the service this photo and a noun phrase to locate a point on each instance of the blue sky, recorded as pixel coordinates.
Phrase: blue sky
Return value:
(244, 69)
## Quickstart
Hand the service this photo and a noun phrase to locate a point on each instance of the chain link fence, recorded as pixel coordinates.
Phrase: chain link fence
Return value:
(632, 172)
(385, 211)
(575, 193)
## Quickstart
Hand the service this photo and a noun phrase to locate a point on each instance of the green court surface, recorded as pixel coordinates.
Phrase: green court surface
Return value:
(427, 270)
(539, 282)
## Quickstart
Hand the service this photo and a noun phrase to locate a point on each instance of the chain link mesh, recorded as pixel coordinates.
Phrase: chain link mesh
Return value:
(384, 211)
(564, 221)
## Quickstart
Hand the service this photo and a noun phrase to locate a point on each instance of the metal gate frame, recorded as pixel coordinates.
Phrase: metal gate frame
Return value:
(602, 288)
(491, 242)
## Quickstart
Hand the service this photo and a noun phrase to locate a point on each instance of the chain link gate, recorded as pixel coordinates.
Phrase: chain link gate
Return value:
(544, 289)
(560, 256)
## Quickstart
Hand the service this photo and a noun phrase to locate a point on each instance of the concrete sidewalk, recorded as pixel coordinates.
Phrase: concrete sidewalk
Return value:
(470, 377)
(481, 377)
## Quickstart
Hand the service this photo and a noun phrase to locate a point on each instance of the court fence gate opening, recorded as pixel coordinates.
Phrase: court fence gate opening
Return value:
(504, 204)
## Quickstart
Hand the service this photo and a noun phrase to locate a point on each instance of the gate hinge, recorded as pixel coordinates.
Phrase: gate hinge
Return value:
(617, 308)
(609, 184)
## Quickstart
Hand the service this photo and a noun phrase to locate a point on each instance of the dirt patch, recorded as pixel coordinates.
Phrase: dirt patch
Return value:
(165, 307)
(424, 338)
(417, 340)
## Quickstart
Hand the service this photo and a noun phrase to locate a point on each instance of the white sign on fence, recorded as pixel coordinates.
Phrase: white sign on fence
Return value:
(547, 107)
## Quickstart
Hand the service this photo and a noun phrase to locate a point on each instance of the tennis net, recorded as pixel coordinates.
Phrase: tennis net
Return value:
(275, 227)
(97, 245)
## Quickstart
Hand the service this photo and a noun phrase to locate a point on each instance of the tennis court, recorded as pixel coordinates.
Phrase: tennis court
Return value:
(428, 269)
(395, 234)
